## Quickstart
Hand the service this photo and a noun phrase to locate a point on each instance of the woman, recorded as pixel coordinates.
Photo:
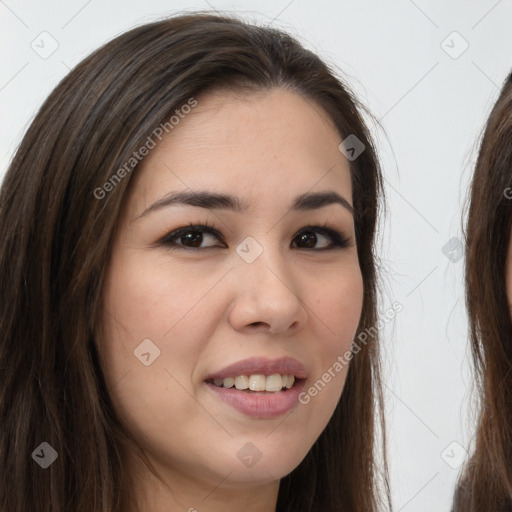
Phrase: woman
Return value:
(486, 483)
(145, 370)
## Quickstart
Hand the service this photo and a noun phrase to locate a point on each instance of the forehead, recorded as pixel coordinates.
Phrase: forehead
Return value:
(255, 146)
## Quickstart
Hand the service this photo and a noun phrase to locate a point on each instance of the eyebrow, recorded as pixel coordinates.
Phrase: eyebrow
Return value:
(211, 201)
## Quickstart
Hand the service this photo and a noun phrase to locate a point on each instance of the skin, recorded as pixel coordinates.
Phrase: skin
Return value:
(207, 308)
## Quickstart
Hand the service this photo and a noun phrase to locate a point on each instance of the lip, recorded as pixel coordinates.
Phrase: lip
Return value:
(262, 366)
(260, 404)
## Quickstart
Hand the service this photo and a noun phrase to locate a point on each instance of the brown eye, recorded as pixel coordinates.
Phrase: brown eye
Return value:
(319, 238)
(194, 238)
(308, 238)
(191, 237)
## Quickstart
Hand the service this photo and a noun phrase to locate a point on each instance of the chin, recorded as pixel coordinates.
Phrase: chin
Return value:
(261, 462)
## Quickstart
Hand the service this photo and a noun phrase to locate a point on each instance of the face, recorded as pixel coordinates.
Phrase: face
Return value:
(259, 289)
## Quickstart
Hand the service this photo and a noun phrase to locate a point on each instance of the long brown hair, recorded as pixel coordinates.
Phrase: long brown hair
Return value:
(486, 483)
(56, 243)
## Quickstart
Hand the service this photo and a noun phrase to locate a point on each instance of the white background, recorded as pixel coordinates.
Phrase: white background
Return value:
(432, 107)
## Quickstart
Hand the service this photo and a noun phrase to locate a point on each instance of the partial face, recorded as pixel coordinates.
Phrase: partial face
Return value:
(264, 291)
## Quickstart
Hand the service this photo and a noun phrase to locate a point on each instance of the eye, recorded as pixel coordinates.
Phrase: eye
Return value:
(192, 237)
(309, 237)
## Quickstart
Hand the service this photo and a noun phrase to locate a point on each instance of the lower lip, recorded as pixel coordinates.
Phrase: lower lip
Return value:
(260, 404)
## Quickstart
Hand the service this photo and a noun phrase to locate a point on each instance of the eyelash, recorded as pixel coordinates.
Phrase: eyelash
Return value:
(339, 241)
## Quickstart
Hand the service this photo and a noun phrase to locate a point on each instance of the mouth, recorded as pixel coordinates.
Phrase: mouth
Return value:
(260, 387)
(257, 383)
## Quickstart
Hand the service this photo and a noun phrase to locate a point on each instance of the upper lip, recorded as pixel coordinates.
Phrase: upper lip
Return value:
(262, 366)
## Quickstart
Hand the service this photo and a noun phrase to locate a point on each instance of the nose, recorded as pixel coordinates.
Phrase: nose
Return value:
(267, 296)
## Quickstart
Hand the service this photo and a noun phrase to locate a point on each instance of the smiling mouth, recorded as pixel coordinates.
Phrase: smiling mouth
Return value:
(261, 395)
(257, 383)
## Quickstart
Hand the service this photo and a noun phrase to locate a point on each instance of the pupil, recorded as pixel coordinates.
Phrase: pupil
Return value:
(194, 237)
(312, 239)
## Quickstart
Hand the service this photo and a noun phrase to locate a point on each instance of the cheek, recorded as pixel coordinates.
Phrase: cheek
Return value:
(338, 307)
(151, 342)
(152, 296)
(156, 298)
(151, 339)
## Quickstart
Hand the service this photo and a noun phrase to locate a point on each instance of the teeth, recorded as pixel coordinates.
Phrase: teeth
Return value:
(227, 382)
(242, 382)
(288, 383)
(257, 382)
(273, 383)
